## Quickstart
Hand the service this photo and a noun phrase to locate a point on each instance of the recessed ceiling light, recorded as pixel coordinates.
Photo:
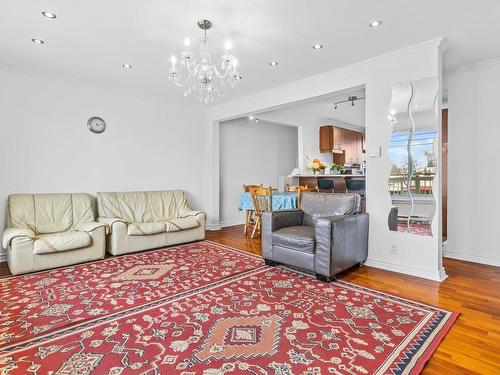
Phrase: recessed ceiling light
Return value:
(318, 46)
(273, 63)
(127, 66)
(37, 41)
(49, 15)
(375, 24)
(250, 117)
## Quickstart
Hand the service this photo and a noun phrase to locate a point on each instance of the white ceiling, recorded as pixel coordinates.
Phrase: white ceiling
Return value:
(321, 111)
(91, 39)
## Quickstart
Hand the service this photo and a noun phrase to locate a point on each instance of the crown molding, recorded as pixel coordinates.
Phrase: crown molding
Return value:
(373, 61)
(475, 66)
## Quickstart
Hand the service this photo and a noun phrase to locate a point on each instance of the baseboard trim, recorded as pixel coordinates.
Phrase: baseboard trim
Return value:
(407, 270)
(213, 227)
(231, 223)
(471, 258)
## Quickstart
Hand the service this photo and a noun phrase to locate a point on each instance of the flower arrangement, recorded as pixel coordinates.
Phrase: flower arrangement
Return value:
(318, 166)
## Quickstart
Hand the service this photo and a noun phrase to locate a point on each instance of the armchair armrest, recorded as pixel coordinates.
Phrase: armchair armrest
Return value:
(274, 220)
(10, 233)
(341, 242)
(91, 226)
(109, 221)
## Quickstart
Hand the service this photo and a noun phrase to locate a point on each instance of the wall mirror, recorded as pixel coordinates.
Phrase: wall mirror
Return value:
(413, 116)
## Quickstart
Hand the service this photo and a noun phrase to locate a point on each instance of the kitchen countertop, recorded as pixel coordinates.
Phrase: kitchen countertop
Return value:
(326, 175)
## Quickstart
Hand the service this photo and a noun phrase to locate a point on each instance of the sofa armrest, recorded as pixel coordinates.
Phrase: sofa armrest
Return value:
(10, 233)
(109, 221)
(91, 226)
(341, 242)
(274, 220)
(195, 214)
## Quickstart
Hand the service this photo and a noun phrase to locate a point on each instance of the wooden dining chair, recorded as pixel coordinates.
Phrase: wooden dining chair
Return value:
(299, 189)
(249, 213)
(262, 199)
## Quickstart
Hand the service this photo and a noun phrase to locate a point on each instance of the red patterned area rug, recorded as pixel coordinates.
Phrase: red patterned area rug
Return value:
(36, 304)
(270, 321)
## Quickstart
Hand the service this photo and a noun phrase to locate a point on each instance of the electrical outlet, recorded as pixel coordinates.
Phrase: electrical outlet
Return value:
(394, 249)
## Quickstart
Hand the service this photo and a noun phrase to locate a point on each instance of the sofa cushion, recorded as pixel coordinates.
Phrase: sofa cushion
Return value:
(49, 213)
(56, 242)
(298, 238)
(143, 229)
(143, 206)
(182, 223)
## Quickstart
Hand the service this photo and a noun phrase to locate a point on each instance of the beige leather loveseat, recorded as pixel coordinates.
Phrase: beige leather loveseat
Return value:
(148, 219)
(51, 230)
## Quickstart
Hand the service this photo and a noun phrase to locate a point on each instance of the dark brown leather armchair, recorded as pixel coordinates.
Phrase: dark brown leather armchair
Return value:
(326, 236)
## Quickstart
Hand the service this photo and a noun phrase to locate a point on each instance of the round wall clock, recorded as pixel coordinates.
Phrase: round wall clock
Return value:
(96, 125)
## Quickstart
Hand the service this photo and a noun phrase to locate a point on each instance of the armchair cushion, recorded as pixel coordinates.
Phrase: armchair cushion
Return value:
(297, 238)
(49, 213)
(56, 242)
(182, 223)
(10, 233)
(143, 229)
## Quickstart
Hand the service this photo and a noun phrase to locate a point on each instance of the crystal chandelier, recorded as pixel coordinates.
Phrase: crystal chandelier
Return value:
(197, 74)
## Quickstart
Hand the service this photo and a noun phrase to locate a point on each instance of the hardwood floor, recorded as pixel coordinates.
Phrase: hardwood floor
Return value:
(473, 344)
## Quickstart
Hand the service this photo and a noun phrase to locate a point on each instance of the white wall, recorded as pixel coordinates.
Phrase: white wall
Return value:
(252, 153)
(311, 115)
(417, 255)
(473, 154)
(46, 146)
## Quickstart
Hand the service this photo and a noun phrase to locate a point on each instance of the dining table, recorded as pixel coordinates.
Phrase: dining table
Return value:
(282, 200)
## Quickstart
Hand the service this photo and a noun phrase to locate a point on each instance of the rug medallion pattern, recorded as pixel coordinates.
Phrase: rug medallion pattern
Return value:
(36, 304)
(269, 321)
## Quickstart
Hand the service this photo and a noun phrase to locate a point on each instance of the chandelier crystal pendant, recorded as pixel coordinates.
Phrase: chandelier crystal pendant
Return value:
(197, 74)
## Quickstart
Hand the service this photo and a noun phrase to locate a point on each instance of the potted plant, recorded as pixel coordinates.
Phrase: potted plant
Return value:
(336, 169)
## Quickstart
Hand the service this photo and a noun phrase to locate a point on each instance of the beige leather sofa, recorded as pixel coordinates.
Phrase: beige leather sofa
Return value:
(148, 219)
(51, 230)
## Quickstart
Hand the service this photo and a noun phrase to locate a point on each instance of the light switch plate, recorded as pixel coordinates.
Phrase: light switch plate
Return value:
(375, 152)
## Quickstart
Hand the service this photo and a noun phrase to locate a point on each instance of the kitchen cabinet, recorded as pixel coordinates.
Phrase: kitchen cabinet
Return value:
(326, 138)
(342, 141)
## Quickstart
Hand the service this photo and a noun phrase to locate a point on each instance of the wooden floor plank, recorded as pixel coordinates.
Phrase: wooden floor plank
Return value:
(473, 344)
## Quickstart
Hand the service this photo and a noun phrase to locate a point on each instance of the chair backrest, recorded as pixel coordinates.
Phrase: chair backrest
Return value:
(262, 199)
(143, 206)
(355, 184)
(50, 213)
(325, 184)
(300, 189)
(246, 188)
(316, 205)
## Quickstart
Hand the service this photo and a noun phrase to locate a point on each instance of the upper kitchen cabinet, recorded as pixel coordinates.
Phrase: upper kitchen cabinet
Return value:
(326, 139)
(340, 140)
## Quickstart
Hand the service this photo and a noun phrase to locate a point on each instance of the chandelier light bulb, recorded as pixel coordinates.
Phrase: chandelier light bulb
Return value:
(198, 73)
